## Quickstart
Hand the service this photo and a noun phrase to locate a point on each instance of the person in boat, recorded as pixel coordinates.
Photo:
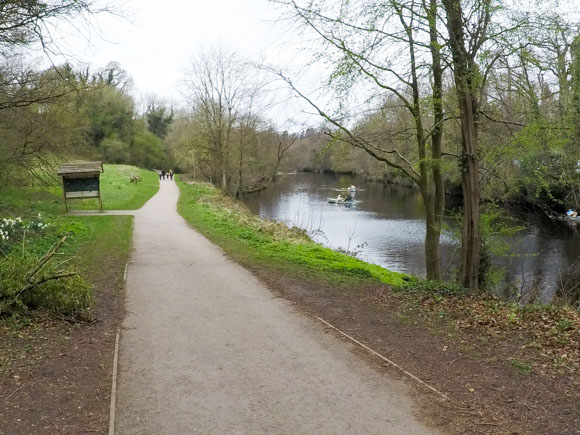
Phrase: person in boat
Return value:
(572, 213)
(339, 198)
(349, 196)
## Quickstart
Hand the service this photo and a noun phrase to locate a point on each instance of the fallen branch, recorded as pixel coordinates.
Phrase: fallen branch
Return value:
(34, 284)
(13, 393)
(44, 260)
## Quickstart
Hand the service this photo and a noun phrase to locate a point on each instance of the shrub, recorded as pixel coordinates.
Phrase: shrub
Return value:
(29, 281)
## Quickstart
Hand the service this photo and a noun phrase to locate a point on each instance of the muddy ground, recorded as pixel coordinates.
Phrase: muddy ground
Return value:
(55, 375)
(491, 389)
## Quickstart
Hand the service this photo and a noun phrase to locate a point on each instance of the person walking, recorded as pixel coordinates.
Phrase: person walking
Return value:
(171, 174)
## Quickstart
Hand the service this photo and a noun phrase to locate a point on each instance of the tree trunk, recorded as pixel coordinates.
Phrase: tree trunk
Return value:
(224, 169)
(224, 180)
(466, 74)
(470, 248)
(438, 200)
(432, 247)
(576, 92)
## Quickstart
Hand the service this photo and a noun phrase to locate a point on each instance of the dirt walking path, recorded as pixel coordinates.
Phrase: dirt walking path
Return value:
(206, 348)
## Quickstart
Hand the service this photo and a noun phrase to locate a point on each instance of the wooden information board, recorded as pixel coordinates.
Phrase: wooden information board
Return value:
(81, 181)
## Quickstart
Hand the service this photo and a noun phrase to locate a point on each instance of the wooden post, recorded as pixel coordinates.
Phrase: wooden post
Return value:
(64, 196)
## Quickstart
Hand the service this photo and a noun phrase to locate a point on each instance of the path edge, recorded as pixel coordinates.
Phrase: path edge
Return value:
(112, 408)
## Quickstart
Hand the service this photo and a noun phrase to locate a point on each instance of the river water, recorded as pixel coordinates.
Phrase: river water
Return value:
(386, 226)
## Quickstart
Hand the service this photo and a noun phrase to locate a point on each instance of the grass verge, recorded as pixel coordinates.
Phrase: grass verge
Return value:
(55, 374)
(272, 244)
(116, 191)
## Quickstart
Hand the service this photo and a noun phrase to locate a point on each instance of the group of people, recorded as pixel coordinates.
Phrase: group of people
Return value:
(168, 174)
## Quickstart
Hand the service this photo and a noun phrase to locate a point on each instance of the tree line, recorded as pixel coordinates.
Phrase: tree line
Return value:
(51, 113)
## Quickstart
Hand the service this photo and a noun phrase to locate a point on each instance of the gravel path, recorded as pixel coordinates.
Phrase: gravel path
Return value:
(206, 348)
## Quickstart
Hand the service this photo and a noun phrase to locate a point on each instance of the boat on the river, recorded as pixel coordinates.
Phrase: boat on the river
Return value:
(340, 201)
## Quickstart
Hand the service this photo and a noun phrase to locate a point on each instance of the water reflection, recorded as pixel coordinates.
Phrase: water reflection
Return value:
(386, 226)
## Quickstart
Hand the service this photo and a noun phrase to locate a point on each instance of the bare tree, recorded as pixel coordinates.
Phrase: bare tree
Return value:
(24, 22)
(225, 90)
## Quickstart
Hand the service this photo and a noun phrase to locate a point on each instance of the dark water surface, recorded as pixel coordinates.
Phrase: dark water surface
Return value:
(386, 226)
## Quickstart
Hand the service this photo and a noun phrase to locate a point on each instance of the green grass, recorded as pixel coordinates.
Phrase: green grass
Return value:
(96, 245)
(90, 237)
(271, 244)
(116, 191)
(120, 194)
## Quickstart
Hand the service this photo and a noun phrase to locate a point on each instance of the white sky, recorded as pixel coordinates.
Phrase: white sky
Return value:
(157, 40)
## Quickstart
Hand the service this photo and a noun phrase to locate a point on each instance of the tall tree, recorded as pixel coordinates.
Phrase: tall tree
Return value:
(394, 48)
(479, 35)
(576, 117)
(467, 85)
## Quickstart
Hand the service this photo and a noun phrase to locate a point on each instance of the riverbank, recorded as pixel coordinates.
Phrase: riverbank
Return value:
(55, 371)
(530, 257)
(506, 368)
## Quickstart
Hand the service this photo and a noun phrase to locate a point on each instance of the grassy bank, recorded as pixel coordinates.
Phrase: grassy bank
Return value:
(118, 193)
(55, 373)
(272, 244)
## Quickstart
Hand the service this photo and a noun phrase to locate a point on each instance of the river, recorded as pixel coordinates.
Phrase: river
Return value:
(386, 226)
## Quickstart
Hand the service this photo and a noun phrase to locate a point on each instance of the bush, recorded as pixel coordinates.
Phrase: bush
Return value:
(68, 295)
(30, 281)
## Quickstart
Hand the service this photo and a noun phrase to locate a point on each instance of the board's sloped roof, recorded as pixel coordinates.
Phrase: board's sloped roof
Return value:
(80, 168)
